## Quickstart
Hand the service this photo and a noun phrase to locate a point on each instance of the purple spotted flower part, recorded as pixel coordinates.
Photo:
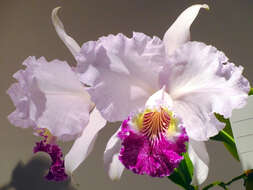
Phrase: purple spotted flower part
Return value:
(149, 148)
(57, 169)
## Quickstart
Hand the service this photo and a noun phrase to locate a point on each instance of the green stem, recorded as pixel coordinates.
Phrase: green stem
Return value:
(222, 184)
(236, 178)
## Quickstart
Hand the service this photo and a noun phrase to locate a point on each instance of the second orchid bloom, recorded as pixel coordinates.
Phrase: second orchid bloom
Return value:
(165, 92)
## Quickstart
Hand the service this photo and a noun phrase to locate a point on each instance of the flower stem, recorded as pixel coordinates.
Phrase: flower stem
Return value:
(224, 185)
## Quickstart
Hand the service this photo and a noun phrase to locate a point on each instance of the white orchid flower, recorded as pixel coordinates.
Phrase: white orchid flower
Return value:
(50, 98)
(165, 92)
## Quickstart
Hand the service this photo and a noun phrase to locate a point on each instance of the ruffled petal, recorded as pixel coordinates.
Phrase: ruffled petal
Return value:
(154, 158)
(84, 144)
(50, 96)
(125, 72)
(71, 44)
(201, 81)
(113, 165)
(200, 160)
(179, 32)
(68, 104)
(27, 98)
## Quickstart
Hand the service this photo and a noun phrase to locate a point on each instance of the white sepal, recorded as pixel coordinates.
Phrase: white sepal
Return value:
(84, 144)
(71, 44)
(179, 32)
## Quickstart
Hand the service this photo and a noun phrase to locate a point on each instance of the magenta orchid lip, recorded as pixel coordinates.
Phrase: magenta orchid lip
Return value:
(48, 145)
(152, 143)
(57, 170)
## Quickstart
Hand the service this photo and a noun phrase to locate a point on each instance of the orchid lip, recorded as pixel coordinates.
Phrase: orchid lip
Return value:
(57, 169)
(152, 142)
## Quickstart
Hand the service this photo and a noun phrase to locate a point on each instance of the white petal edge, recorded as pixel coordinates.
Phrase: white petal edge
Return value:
(71, 44)
(179, 32)
(84, 144)
(112, 163)
(200, 160)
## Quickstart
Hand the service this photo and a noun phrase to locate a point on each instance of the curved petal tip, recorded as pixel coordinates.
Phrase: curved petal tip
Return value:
(71, 44)
(55, 19)
(206, 6)
(179, 32)
(55, 10)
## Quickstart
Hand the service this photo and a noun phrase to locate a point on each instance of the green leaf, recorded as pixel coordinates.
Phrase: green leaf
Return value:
(177, 179)
(183, 174)
(251, 92)
(226, 136)
(228, 142)
(227, 128)
(186, 166)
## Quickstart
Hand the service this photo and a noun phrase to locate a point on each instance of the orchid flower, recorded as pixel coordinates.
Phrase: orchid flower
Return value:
(165, 92)
(50, 98)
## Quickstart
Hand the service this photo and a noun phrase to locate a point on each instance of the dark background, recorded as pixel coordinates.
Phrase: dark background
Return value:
(26, 29)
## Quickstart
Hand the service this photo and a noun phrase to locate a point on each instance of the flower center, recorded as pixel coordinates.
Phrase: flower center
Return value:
(155, 123)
